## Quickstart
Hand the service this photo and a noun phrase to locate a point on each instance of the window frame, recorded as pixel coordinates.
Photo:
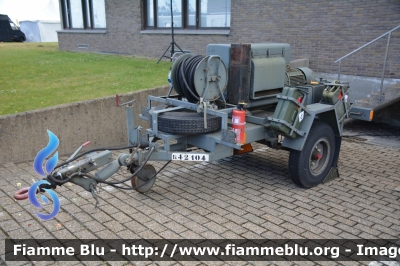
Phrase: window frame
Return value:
(184, 21)
(185, 16)
(145, 17)
(87, 15)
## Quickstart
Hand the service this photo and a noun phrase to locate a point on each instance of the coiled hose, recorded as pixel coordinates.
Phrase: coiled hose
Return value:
(185, 77)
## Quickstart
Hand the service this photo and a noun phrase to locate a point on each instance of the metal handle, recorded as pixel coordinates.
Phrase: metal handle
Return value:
(77, 150)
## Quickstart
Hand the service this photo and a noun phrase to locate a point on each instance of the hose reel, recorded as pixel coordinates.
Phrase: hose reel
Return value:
(199, 77)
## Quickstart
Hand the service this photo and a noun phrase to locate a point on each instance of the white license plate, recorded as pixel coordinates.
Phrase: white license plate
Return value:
(197, 157)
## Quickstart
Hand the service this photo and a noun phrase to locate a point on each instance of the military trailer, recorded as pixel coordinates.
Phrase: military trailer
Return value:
(216, 107)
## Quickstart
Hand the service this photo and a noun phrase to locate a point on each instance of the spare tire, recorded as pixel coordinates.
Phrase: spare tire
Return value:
(187, 123)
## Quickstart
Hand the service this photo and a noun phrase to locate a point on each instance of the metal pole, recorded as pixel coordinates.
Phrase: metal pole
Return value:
(130, 122)
(172, 26)
(384, 66)
(340, 68)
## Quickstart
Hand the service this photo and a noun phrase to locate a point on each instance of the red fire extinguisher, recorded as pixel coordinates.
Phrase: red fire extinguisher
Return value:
(238, 124)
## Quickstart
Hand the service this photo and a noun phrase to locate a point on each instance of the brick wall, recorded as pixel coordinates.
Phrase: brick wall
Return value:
(322, 31)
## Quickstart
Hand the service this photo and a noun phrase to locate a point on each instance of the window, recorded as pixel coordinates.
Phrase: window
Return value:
(187, 14)
(83, 14)
(13, 26)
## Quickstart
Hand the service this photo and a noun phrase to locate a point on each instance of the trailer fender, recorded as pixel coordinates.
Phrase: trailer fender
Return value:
(331, 118)
(298, 142)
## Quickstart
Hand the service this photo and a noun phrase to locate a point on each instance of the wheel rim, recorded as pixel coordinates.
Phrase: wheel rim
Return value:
(319, 156)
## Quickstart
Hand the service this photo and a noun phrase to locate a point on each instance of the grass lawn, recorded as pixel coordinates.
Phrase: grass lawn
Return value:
(37, 75)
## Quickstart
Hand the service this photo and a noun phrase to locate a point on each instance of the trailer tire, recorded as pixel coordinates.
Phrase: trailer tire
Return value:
(310, 166)
(187, 123)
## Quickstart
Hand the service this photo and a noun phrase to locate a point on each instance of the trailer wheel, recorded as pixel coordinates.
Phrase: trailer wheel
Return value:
(187, 123)
(311, 165)
(147, 172)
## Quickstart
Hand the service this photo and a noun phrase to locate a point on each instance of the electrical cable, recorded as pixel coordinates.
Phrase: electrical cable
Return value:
(125, 188)
(61, 182)
(57, 181)
(93, 150)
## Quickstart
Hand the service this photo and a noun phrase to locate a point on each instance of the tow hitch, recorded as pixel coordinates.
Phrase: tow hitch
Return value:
(77, 171)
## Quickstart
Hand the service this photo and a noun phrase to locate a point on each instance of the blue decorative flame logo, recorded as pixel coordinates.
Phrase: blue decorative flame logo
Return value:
(38, 167)
(42, 155)
(36, 203)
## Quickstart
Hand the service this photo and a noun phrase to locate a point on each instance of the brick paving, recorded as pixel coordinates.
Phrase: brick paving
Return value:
(381, 134)
(246, 196)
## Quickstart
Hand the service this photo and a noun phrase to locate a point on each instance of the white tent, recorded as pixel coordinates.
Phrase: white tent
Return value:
(19, 10)
(40, 30)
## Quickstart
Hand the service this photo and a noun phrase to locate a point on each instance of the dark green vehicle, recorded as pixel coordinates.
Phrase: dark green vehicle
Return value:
(9, 32)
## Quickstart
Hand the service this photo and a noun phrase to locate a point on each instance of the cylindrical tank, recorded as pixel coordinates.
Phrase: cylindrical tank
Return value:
(238, 125)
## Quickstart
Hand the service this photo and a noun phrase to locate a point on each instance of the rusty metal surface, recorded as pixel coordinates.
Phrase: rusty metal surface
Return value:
(239, 73)
(147, 172)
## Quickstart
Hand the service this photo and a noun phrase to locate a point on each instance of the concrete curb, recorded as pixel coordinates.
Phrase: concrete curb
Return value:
(99, 120)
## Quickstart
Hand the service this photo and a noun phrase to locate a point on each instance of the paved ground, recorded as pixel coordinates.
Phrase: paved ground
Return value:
(379, 134)
(247, 196)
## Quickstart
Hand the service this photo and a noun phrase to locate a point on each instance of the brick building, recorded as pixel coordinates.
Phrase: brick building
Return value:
(322, 31)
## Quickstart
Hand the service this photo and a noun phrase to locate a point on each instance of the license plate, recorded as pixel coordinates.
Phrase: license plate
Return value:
(197, 157)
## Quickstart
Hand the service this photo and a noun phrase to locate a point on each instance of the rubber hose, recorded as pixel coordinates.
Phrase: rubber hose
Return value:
(185, 77)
